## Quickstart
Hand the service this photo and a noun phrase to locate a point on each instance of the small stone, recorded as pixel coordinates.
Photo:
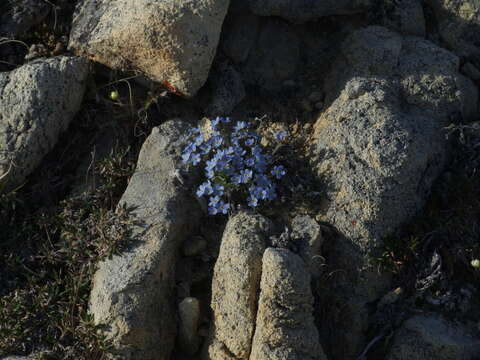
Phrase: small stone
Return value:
(188, 338)
(194, 246)
(307, 126)
(319, 105)
(315, 96)
(475, 263)
(36, 51)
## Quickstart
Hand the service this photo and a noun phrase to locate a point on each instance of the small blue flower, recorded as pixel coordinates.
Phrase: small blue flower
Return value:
(240, 126)
(212, 210)
(223, 207)
(193, 131)
(246, 175)
(214, 201)
(271, 194)
(236, 179)
(195, 159)
(280, 135)
(205, 188)
(198, 140)
(217, 141)
(215, 122)
(250, 161)
(185, 157)
(278, 171)
(225, 120)
(252, 201)
(249, 142)
(205, 148)
(218, 189)
(210, 174)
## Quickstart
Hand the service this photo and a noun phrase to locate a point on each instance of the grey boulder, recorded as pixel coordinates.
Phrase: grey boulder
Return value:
(380, 144)
(285, 327)
(432, 337)
(133, 293)
(236, 285)
(172, 42)
(37, 101)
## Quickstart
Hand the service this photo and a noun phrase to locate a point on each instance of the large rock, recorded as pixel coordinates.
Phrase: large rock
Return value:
(285, 326)
(459, 26)
(380, 144)
(431, 337)
(300, 11)
(236, 285)
(16, 17)
(172, 42)
(37, 101)
(133, 293)
(378, 148)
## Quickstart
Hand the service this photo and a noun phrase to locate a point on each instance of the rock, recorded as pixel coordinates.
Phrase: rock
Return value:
(274, 58)
(431, 337)
(188, 338)
(236, 285)
(228, 91)
(307, 234)
(285, 326)
(405, 16)
(172, 42)
(133, 293)
(194, 246)
(21, 15)
(378, 147)
(38, 102)
(459, 25)
(300, 11)
(380, 144)
(239, 34)
(471, 71)
(36, 51)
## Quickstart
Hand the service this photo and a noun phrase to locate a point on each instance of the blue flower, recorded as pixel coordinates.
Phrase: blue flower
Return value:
(205, 188)
(205, 148)
(225, 120)
(214, 200)
(212, 210)
(195, 158)
(240, 126)
(185, 157)
(252, 201)
(218, 189)
(278, 171)
(210, 174)
(236, 179)
(198, 140)
(271, 194)
(223, 207)
(250, 161)
(280, 135)
(246, 175)
(215, 122)
(217, 141)
(249, 142)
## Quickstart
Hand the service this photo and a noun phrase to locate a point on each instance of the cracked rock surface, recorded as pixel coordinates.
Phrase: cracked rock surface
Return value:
(38, 102)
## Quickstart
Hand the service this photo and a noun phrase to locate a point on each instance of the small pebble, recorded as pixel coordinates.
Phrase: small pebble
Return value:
(319, 105)
(189, 312)
(475, 263)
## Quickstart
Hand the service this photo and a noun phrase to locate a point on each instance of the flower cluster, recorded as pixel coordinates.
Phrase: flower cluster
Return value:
(233, 161)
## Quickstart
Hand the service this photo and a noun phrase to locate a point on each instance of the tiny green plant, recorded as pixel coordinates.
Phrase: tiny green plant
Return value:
(235, 164)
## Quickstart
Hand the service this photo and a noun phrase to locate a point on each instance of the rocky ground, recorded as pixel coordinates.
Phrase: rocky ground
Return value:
(371, 249)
